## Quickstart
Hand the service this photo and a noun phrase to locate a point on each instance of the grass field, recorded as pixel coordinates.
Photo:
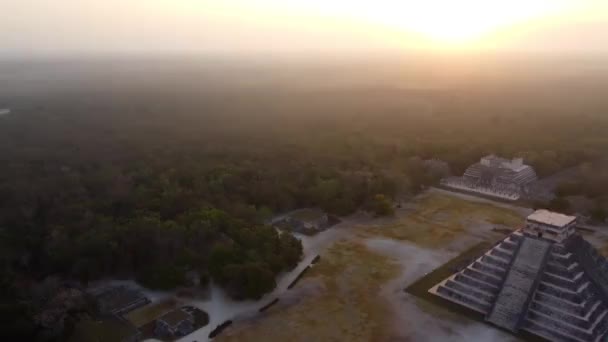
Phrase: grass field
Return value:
(346, 306)
(438, 219)
(347, 310)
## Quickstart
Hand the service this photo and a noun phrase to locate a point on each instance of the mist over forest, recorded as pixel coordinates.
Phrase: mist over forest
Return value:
(148, 169)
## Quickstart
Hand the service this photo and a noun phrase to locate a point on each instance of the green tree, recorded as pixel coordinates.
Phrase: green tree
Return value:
(599, 214)
(249, 280)
(162, 277)
(569, 189)
(559, 204)
(381, 205)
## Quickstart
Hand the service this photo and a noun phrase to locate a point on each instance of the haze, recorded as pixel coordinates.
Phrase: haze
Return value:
(46, 27)
(303, 170)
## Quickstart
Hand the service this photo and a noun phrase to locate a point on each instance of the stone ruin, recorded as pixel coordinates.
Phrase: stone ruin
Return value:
(495, 176)
(544, 279)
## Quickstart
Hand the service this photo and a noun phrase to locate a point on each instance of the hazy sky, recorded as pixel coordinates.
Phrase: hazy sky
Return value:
(32, 27)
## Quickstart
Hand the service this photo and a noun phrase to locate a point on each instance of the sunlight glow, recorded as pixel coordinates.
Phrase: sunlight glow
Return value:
(303, 26)
(442, 21)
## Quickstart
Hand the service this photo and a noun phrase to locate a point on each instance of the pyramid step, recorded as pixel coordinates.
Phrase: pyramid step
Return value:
(598, 327)
(487, 287)
(595, 310)
(486, 278)
(573, 296)
(562, 326)
(555, 301)
(588, 310)
(500, 258)
(591, 262)
(562, 256)
(469, 290)
(463, 299)
(575, 318)
(549, 333)
(571, 277)
(489, 269)
(495, 261)
(554, 279)
(601, 319)
(516, 236)
(601, 329)
(562, 270)
(508, 245)
(562, 259)
(497, 251)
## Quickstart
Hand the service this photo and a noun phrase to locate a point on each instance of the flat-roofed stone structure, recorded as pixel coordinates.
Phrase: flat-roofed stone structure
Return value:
(495, 176)
(305, 221)
(176, 323)
(544, 279)
(118, 300)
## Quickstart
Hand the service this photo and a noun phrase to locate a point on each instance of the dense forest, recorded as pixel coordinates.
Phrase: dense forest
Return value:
(127, 175)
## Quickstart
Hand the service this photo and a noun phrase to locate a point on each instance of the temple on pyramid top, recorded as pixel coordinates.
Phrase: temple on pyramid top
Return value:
(544, 279)
(549, 225)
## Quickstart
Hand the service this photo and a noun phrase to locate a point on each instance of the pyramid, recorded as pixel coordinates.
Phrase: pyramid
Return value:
(544, 279)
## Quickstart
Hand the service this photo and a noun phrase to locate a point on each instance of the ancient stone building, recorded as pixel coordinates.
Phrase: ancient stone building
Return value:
(305, 221)
(118, 300)
(495, 176)
(544, 279)
(176, 323)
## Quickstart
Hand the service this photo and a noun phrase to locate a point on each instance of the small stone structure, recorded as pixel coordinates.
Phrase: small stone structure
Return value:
(495, 176)
(118, 300)
(176, 323)
(305, 221)
(544, 279)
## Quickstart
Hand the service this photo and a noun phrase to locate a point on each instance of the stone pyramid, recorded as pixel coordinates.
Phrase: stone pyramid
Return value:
(544, 279)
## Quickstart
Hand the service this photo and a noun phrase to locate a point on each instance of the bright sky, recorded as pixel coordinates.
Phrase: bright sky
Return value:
(244, 26)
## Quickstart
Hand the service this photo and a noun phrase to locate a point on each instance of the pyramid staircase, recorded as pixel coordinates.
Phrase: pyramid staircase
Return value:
(519, 284)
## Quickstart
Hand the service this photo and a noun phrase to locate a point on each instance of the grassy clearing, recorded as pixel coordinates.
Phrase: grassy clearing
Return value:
(439, 219)
(347, 307)
(150, 312)
(347, 310)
